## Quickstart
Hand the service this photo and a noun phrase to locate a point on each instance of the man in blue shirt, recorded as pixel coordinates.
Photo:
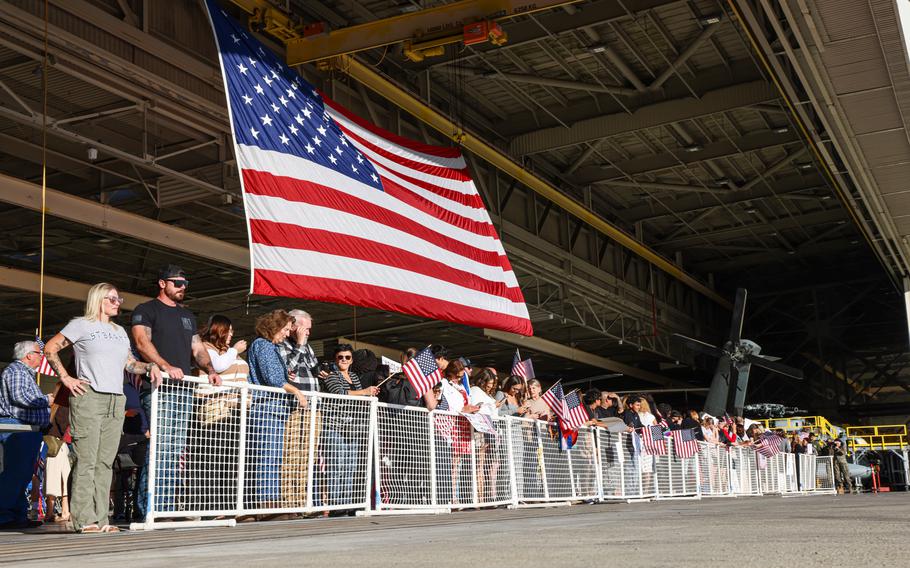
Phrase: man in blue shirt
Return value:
(21, 402)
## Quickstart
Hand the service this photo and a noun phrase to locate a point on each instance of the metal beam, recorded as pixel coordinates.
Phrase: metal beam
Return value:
(690, 204)
(65, 206)
(572, 354)
(604, 126)
(684, 56)
(674, 187)
(59, 287)
(368, 75)
(549, 82)
(667, 160)
(447, 19)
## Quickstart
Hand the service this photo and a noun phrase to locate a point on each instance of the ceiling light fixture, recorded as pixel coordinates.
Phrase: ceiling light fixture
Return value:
(693, 148)
(710, 19)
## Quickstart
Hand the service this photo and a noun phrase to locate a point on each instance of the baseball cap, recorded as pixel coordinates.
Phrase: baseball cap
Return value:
(171, 271)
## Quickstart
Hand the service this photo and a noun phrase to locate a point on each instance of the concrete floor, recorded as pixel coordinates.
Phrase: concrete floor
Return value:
(831, 531)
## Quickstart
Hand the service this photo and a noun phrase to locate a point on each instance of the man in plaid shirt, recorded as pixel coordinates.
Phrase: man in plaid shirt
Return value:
(298, 355)
(21, 402)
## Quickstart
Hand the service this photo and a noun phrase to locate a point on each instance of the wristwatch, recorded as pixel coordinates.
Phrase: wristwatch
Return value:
(148, 372)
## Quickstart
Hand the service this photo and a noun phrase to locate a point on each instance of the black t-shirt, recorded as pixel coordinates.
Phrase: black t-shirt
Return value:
(173, 328)
(607, 412)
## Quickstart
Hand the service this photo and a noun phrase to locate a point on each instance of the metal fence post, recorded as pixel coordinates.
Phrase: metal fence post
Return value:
(311, 453)
(242, 442)
(432, 427)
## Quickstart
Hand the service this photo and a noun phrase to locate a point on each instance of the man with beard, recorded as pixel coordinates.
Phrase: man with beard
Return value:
(165, 335)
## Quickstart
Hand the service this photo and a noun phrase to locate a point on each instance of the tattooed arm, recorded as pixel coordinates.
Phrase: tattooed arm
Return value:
(142, 337)
(52, 353)
(138, 368)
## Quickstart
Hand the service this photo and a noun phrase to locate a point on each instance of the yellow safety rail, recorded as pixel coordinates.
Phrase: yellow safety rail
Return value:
(884, 437)
(819, 424)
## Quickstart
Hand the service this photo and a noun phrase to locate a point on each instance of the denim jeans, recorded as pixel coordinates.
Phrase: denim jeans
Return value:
(265, 450)
(175, 406)
(20, 449)
(341, 462)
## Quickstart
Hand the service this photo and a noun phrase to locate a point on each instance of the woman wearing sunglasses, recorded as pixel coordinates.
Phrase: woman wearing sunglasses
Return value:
(344, 429)
(97, 405)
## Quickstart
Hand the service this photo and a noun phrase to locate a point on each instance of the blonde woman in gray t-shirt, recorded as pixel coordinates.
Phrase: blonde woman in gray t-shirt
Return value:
(102, 352)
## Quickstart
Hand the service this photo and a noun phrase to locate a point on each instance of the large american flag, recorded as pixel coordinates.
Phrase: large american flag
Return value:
(652, 440)
(422, 371)
(684, 443)
(767, 444)
(44, 367)
(523, 369)
(340, 210)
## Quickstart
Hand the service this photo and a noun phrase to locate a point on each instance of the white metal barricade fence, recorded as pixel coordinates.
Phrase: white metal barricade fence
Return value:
(677, 476)
(714, 470)
(241, 449)
(806, 472)
(744, 476)
(824, 475)
(611, 460)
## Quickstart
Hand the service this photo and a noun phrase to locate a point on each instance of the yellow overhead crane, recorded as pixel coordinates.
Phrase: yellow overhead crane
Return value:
(335, 49)
(423, 33)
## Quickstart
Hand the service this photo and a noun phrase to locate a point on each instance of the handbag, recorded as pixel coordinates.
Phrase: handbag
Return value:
(53, 445)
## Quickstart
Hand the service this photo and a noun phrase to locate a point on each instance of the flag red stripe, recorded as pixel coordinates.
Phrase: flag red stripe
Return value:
(440, 151)
(472, 201)
(274, 283)
(318, 240)
(298, 191)
(439, 171)
(417, 201)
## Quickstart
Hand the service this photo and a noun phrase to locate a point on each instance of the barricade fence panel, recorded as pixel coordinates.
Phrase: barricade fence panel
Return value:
(240, 449)
(403, 462)
(611, 459)
(714, 470)
(824, 475)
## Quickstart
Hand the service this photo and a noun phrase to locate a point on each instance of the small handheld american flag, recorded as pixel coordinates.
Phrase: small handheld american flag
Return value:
(767, 445)
(556, 400)
(523, 369)
(44, 367)
(576, 414)
(652, 440)
(422, 371)
(684, 444)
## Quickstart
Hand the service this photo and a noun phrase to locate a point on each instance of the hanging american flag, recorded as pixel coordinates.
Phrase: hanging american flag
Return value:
(684, 443)
(422, 371)
(576, 413)
(767, 445)
(556, 400)
(523, 369)
(44, 367)
(340, 210)
(652, 441)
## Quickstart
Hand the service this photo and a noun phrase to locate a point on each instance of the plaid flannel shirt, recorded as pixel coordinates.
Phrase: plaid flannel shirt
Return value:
(20, 397)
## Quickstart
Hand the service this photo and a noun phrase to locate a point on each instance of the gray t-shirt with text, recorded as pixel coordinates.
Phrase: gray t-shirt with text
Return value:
(102, 350)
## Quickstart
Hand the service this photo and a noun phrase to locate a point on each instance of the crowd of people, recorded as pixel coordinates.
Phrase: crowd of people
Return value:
(97, 419)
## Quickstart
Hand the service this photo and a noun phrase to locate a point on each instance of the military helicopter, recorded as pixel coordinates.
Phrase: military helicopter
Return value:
(735, 360)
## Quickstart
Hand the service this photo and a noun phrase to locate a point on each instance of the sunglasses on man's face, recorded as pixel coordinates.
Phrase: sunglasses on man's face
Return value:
(179, 283)
(343, 357)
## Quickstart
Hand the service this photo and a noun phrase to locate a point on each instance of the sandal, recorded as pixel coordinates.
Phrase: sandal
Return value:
(90, 529)
(110, 529)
